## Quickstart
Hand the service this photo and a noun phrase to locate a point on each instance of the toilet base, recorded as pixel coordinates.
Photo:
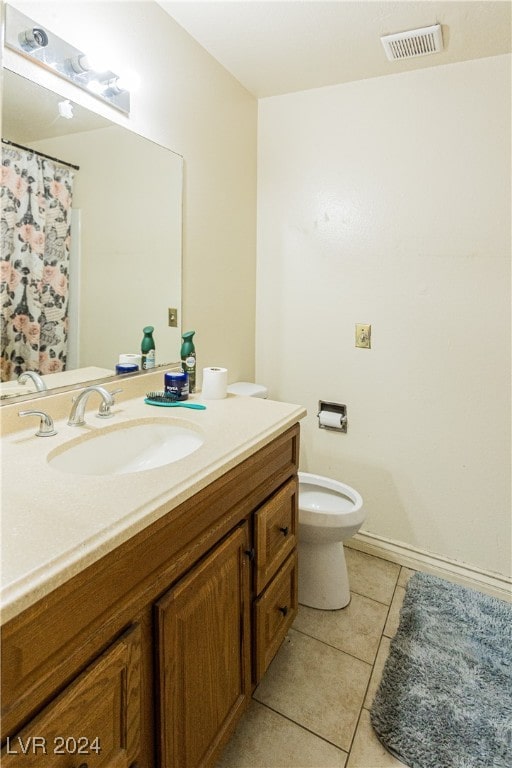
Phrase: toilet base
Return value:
(323, 577)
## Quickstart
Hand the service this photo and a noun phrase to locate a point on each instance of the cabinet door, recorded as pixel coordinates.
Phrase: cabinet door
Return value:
(93, 723)
(204, 655)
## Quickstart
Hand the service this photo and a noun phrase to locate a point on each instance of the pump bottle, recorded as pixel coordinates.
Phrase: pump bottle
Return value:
(147, 349)
(188, 359)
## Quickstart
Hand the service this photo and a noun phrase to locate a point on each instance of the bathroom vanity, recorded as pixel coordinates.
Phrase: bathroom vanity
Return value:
(148, 655)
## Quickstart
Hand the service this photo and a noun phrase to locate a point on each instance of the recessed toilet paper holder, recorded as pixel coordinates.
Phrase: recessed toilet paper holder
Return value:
(332, 416)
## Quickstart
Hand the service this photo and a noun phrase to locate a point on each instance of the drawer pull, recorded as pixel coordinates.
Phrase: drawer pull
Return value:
(283, 609)
(284, 530)
(251, 554)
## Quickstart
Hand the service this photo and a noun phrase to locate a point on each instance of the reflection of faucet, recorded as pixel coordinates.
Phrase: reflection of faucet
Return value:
(39, 383)
(76, 417)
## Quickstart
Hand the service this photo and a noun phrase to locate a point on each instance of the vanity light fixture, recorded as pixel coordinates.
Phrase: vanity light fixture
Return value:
(29, 39)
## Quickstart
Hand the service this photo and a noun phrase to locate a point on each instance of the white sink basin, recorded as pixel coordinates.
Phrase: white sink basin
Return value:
(130, 447)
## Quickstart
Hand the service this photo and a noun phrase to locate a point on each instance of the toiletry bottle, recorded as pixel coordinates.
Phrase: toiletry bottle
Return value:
(188, 358)
(147, 348)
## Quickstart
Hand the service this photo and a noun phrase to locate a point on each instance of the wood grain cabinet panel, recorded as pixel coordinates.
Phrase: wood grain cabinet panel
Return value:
(274, 612)
(93, 723)
(204, 655)
(275, 532)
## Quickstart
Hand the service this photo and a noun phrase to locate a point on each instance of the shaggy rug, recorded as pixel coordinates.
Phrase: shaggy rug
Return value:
(445, 698)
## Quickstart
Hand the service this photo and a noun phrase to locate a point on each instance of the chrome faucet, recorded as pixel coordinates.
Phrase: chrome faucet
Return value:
(46, 427)
(76, 417)
(39, 383)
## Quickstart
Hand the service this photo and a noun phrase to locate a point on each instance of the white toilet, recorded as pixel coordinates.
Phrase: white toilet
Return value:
(329, 513)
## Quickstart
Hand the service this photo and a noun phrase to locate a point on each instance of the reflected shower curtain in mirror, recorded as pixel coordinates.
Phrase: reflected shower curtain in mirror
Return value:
(36, 196)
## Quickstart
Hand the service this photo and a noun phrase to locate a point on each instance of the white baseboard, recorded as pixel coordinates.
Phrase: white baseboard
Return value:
(419, 560)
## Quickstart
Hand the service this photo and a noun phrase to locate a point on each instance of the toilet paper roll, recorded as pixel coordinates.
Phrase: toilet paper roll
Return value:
(330, 419)
(130, 359)
(215, 383)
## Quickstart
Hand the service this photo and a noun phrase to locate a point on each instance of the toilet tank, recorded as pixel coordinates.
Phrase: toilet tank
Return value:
(248, 389)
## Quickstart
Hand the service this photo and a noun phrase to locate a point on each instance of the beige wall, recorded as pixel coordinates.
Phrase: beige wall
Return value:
(387, 201)
(188, 103)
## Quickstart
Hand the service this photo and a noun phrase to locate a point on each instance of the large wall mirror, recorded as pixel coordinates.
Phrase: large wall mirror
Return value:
(125, 268)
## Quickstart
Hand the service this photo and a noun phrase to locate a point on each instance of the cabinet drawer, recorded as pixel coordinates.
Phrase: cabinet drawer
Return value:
(275, 532)
(95, 721)
(274, 612)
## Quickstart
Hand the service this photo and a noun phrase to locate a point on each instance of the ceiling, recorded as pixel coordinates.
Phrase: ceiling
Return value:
(280, 46)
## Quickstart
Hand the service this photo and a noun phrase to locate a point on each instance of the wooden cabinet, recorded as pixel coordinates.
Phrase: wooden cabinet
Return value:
(94, 723)
(157, 646)
(204, 655)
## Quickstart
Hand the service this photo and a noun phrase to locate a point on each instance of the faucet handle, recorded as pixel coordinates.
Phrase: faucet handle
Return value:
(46, 427)
(104, 411)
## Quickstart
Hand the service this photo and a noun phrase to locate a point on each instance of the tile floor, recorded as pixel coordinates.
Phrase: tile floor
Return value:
(311, 710)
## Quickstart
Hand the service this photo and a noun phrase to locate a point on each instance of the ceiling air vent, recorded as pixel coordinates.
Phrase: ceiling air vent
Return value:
(417, 42)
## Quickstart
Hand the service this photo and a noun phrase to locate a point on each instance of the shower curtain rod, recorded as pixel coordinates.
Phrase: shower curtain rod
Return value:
(41, 154)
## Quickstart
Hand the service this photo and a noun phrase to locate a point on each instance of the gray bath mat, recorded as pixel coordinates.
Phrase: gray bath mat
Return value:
(445, 698)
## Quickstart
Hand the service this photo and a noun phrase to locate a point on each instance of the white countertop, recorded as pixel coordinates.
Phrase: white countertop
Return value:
(55, 524)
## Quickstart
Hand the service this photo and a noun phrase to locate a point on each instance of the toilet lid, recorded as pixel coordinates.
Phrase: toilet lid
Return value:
(248, 389)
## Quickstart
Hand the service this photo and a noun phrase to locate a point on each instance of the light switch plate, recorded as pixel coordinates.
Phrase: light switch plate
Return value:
(363, 335)
(173, 317)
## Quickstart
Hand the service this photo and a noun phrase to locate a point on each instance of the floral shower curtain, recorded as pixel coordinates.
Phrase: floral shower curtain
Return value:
(36, 196)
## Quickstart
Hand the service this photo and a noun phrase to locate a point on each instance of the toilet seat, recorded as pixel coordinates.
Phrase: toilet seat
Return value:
(328, 503)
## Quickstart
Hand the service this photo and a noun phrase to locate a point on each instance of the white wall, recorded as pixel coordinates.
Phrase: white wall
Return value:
(387, 201)
(190, 104)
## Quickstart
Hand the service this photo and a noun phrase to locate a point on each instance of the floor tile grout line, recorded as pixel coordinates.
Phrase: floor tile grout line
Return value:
(360, 594)
(303, 727)
(365, 694)
(334, 647)
(375, 660)
(369, 597)
(391, 603)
